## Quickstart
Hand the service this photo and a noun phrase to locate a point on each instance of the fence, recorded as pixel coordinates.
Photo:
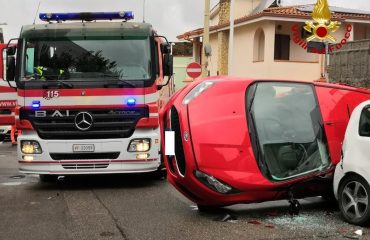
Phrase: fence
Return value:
(351, 64)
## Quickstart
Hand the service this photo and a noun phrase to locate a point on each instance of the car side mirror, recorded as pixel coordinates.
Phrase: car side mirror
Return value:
(11, 50)
(168, 65)
(167, 69)
(10, 68)
(166, 48)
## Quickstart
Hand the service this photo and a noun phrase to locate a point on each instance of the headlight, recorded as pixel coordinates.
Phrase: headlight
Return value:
(139, 145)
(195, 92)
(31, 147)
(214, 184)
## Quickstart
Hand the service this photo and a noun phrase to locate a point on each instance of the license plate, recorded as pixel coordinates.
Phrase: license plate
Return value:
(84, 148)
(169, 143)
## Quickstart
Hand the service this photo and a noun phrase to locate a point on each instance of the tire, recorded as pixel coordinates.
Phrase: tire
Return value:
(207, 209)
(329, 197)
(354, 200)
(160, 174)
(46, 178)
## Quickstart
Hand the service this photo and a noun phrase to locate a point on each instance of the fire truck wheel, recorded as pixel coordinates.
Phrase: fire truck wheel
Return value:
(160, 174)
(48, 178)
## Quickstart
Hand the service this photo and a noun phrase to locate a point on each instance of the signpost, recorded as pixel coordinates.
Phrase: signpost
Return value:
(194, 70)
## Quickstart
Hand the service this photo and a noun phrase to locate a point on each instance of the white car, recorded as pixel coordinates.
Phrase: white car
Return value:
(352, 174)
(5, 133)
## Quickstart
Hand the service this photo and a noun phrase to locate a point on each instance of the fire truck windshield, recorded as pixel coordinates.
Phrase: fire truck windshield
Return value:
(86, 59)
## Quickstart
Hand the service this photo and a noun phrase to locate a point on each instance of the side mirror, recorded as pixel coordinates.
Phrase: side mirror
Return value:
(167, 69)
(11, 50)
(10, 68)
(166, 48)
(168, 65)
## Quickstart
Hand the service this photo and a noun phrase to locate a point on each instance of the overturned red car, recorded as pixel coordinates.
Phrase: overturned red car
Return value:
(244, 141)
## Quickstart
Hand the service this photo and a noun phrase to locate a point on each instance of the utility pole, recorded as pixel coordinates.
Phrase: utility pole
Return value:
(207, 10)
(143, 11)
(231, 38)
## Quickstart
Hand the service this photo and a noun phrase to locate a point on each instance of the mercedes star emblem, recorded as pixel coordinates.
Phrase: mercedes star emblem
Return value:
(84, 121)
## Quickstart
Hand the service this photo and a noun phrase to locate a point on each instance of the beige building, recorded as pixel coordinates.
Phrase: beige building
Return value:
(265, 44)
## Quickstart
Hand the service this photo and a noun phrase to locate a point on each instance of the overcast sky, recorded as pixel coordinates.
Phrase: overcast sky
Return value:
(169, 17)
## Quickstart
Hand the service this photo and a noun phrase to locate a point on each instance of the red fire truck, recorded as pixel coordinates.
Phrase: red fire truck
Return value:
(8, 99)
(88, 89)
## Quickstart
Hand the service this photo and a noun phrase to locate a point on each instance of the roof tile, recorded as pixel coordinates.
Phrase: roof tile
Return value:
(288, 12)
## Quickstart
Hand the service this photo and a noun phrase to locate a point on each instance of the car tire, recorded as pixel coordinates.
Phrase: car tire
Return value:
(46, 178)
(354, 200)
(207, 209)
(329, 197)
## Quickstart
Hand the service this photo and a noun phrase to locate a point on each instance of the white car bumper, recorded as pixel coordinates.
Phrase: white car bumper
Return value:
(109, 156)
(338, 175)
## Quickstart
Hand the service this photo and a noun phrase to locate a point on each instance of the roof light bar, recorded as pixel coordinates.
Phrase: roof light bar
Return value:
(86, 16)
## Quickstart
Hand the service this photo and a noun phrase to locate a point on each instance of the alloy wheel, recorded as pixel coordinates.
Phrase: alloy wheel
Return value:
(354, 200)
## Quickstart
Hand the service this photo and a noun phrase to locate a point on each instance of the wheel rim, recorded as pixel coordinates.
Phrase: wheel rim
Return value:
(355, 200)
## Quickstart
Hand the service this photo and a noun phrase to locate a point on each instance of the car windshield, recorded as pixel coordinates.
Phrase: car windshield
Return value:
(92, 59)
(286, 127)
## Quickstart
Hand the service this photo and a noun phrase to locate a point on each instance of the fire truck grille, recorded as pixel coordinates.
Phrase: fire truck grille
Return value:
(84, 166)
(105, 123)
(179, 150)
(84, 156)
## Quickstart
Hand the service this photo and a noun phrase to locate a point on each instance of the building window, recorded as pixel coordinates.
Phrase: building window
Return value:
(364, 128)
(282, 47)
(259, 46)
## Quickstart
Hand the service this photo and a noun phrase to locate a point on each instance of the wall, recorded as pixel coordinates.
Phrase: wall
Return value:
(242, 8)
(180, 64)
(213, 60)
(297, 53)
(245, 7)
(351, 64)
(269, 68)
(362, 31)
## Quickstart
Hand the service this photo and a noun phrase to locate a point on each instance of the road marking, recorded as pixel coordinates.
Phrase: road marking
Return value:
(13, 183)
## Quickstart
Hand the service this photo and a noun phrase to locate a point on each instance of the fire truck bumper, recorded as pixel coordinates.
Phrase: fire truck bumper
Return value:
(94, 156)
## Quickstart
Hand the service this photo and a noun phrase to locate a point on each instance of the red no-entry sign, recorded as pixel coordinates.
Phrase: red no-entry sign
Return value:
(194, 70)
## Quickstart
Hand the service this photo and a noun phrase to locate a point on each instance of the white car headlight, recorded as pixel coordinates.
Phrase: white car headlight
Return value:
(195, 92)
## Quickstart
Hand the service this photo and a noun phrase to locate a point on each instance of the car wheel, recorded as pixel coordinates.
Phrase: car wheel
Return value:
(330, 197)
(48, 178)
(354, 201)
(207, 209)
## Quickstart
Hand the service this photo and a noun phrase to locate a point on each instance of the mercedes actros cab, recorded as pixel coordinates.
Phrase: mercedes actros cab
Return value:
(88, 89)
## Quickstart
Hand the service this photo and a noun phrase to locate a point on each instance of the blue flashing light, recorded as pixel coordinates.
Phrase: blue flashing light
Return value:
(86, 16)
(131, 102)
(36, 104)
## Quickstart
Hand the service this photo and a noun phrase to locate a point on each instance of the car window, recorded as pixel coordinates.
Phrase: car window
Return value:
(364, 126)
(287, 130)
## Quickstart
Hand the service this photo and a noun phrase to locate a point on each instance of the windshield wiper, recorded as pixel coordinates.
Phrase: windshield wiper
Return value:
(65, 84)
(119, 83)
(59, 84)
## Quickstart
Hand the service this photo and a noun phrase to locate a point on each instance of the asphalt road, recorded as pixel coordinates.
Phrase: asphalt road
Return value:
(138, 207)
